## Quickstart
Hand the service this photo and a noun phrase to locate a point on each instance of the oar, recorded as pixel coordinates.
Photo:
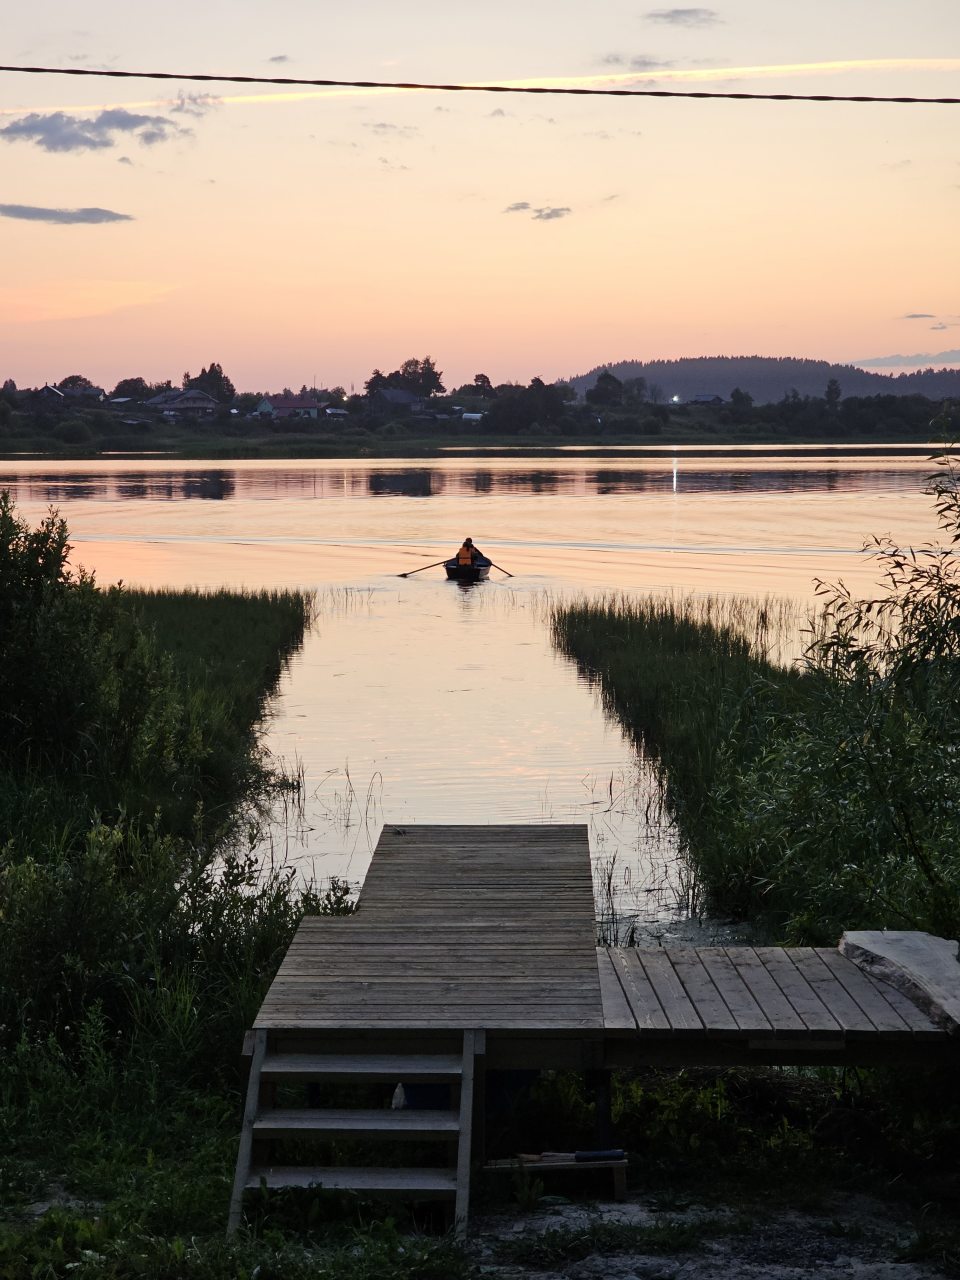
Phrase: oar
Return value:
(424, 566)
(496, 566)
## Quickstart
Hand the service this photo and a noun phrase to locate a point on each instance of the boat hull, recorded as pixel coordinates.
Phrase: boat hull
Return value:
(467, 572)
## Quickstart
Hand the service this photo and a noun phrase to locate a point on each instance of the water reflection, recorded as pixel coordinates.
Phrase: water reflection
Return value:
(649, 476)
(173, 486)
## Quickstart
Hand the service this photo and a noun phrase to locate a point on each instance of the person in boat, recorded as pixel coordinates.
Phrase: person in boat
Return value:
(469, 554)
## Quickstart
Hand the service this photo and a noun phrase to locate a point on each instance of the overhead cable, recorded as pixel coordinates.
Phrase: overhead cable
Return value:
(483, 88)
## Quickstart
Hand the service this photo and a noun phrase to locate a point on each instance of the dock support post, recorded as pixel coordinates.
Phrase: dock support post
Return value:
(464, 1152)
(598, 1081)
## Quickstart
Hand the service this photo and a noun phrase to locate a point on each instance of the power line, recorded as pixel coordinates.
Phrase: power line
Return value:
(482, 88)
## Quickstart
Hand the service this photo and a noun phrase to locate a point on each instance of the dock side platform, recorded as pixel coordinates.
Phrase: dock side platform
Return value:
(474, 947)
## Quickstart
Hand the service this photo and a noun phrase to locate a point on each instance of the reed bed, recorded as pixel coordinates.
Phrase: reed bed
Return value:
(813, 796)
(678, 672)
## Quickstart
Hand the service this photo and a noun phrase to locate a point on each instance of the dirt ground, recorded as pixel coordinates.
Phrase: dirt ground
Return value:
(854, 1239)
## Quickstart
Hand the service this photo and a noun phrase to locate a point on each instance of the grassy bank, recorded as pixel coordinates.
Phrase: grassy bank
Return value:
(139, 930)
(687, 677)
(816, 796)
(213, 446)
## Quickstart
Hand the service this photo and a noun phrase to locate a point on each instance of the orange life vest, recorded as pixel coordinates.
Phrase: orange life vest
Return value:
(465, 555)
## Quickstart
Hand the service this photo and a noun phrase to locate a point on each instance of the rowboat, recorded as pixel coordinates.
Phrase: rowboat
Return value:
(476, 572)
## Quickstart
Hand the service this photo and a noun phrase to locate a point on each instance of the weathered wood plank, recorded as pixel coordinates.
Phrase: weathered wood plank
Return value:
(923, 967)
(881, 1013)
(368, 1066)
(747, 1013)
(676, 1004)
(844, 1009)
(704, 996)
(815, 1016)
(458, 926)
(383, 1122)
(245, 1149)
(616, 1007)
(343, 1178)
(777, 1009)
(919, 1022)
(644, 1005)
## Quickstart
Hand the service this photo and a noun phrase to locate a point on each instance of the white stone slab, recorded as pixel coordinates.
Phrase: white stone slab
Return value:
(923, 967)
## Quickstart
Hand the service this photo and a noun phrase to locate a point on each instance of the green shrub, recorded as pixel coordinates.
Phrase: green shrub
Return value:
(850, 815)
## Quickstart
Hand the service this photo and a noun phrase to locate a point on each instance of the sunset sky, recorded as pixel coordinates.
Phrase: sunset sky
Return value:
(298, 236)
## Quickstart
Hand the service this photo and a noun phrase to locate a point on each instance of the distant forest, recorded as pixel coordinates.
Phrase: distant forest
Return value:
(768, 378)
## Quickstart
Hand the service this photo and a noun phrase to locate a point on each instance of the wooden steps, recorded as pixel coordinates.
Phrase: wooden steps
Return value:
(383, 1067)
(439, 1182)
(266, 1123)
(382, 1123)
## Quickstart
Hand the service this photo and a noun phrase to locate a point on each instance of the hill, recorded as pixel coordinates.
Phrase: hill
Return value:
(769, 378)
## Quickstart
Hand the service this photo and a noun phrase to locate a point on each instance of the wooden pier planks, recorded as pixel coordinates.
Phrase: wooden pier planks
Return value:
(486, 927)
(493, 927)
(758, 994)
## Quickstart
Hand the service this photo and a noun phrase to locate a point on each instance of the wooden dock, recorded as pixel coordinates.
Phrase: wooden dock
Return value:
(455, 927)
(475, 948)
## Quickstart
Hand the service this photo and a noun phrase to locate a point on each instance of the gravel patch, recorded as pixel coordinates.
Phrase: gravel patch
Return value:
(855, 1238)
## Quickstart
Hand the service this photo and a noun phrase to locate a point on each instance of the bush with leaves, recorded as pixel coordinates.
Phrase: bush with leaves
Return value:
(849, 816)
(83, 688)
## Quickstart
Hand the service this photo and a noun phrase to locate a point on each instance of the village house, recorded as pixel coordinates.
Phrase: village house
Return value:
(192, 401)
(705, 398)
(290, 406)
(397, 400)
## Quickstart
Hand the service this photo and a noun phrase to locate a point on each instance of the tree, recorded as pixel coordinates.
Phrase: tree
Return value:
(518, 408)
(75, 382)
(134, 388)
(741, 405)
(213, 381)
(608, 390)
(655, 393)
(483, 386)
(376, 382)
(832, 395)
(422, 377)
(634, 390)
(9, 386)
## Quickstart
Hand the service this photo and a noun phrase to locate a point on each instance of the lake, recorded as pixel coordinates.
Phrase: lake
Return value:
(417, 700)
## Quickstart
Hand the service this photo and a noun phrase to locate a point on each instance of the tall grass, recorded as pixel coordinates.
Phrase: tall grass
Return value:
(679, 672)
(816, 797)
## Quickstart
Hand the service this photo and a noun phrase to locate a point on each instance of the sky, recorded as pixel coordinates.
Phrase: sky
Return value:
(308, 236)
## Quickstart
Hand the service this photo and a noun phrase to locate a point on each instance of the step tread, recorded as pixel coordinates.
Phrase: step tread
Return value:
(355, 1120)
(354, 1179)
(369, 1066)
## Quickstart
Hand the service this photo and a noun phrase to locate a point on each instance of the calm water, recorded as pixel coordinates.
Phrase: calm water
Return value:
(415, 700)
